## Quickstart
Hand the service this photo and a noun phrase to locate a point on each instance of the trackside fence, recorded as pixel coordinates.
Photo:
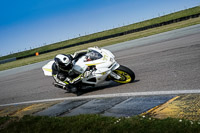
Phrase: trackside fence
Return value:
(8, 60)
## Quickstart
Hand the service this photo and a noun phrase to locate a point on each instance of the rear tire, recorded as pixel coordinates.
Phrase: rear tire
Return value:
(126, 74)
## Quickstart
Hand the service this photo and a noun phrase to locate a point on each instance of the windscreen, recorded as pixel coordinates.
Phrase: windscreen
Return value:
(93, 55)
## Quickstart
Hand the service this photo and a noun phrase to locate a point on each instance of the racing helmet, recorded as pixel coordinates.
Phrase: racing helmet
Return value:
(63, 62)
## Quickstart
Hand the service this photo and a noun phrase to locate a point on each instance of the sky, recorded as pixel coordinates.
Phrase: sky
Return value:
(27, 24)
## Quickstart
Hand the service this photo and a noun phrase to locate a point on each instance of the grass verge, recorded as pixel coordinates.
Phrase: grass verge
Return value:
(102, 43)
(96, 124)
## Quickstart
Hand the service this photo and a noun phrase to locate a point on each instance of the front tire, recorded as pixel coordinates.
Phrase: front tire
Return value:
(126, 74)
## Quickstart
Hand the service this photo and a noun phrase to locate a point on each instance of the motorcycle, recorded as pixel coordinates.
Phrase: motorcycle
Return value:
(102, 67)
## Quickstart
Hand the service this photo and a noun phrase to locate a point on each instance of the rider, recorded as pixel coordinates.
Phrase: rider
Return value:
(63, 70)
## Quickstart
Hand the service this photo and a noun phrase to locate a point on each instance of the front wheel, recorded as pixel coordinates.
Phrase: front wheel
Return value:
(126, 74)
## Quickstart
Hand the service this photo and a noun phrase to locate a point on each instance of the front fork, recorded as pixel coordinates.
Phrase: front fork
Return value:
(113, 74)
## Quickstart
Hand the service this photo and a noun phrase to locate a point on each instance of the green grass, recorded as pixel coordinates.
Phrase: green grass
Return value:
(175, 15)
(3, 120)
(97, 124)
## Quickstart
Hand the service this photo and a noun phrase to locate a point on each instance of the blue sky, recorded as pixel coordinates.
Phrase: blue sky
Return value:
(29, 24)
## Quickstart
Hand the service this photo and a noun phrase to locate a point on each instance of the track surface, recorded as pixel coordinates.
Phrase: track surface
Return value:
(164, 62)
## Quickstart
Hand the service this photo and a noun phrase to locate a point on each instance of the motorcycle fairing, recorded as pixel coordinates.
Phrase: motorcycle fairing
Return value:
(47, 69)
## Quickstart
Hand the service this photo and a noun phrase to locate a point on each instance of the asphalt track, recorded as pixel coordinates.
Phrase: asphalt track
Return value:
(165, 62)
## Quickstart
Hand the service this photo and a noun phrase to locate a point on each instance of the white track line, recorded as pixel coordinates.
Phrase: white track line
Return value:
(174, 92)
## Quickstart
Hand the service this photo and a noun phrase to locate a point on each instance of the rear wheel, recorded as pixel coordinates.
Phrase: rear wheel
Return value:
(126, 74)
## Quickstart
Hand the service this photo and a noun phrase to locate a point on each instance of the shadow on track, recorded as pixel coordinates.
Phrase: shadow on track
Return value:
(107, 85)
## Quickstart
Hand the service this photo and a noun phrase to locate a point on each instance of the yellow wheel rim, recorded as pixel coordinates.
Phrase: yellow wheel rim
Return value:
(125, 77)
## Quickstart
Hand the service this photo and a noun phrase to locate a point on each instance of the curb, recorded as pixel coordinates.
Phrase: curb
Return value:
(186, 106)
(183, 107)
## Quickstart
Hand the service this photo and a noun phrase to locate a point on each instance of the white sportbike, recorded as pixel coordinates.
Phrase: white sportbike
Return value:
(103, 68)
